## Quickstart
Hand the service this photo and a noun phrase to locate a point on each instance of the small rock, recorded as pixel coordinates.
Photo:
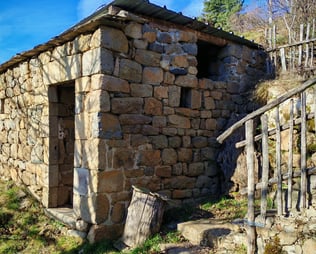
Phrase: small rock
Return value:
(178, 71)
(25, 203)
(21, 194)
(76, 233)
(81, 225)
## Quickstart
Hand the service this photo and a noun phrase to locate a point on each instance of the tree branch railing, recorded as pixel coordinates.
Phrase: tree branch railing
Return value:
(279, 177)
(297, 56)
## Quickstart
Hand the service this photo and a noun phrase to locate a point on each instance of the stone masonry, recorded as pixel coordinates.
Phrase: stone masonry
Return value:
(140, 116)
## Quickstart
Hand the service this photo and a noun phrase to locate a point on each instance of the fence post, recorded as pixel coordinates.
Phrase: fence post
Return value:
(290, 161)
(265, 166)
(300, 47)
(307, 46)
(283, 59)
(278, 161)
(303, 151)
(274, 36)
(251, 232)
(314, 107)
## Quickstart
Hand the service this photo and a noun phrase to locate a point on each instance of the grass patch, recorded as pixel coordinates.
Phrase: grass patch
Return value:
(24, 228)
(241, 249)
(97, 248)
(12, 200)
(152, 245)
(262, 93)
(273, 247)
(226, 208)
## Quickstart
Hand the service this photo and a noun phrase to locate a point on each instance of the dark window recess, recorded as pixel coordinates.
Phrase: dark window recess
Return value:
(185, 99)
(209, 65)
(2, 106)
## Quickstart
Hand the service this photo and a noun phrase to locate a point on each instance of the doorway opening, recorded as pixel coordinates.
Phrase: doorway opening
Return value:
(62, 138)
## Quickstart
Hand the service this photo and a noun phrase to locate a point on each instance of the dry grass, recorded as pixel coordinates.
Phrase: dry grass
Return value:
(284, 83)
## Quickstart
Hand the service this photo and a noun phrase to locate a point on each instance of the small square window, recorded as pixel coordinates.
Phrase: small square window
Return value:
(1, 106)
(185, 99)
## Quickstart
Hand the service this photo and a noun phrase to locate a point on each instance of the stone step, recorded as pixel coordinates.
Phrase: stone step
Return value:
(76, 227)
(64, 215)
(183, 248)
(296, 233)
(208, 232)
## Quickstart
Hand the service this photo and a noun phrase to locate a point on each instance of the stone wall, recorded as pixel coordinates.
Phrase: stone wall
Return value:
(142, 117)
(24, 126)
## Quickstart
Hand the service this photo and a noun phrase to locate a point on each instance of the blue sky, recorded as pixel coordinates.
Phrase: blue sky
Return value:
(25, 24)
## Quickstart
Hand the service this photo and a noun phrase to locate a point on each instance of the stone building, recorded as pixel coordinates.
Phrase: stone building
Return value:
(133, 95)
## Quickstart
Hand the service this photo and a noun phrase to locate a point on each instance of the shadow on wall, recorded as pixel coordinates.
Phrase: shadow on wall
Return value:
(232, 160)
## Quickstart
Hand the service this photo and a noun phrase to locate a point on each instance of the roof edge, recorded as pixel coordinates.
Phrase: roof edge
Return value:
(138, 7)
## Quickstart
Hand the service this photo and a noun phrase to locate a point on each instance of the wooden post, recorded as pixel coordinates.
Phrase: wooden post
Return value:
(314, 107)
(265, 166)
(312, 44)
(307, 45)
(283, 59)
(290, 161)
(292, 58)
(270, 37)
(308, 31)
(278, 162)
(274, 36)
(312, 55)
(251, 232)
(303, 151)
(300, 46)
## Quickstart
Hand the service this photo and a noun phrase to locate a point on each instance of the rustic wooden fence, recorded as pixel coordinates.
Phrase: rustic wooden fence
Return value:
(298, 55)
(279, 177)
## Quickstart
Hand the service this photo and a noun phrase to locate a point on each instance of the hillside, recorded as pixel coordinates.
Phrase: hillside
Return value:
(24, 228)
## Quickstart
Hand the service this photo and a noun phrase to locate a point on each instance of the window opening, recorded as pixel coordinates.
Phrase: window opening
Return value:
(1, 106)
(185, 97)
(209, 65)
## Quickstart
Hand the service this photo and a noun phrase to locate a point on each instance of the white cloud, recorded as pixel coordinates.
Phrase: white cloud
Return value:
(87, 7)
(194, 9)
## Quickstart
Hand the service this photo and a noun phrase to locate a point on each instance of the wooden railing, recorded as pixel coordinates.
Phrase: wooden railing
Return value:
(296, 56)
(263, 138)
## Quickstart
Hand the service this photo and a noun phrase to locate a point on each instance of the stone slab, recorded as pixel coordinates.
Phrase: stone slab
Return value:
(206, 232)
(64, 215)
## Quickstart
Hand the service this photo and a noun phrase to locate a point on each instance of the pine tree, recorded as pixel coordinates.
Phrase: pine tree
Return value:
(219, 12)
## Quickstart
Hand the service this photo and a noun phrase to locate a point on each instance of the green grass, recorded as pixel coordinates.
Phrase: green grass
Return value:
(97, 248)
(152, 245)
(273, 246)
(10, 198)
(24, 228)
(227, 208)
(241, 249)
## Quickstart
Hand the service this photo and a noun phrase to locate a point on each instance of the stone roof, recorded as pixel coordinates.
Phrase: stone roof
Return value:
(140, 10)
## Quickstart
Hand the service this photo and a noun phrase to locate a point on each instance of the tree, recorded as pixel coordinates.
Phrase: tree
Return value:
(293, 13)
(219, 12)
